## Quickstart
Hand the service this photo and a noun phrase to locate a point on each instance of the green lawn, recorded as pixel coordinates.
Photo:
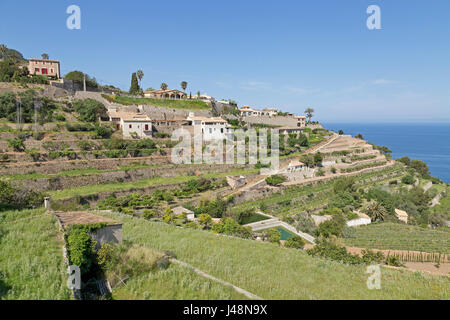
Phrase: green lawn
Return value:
(275, 273)
(165, 103)
(116, 186)
(31, 258)
(397, 236)
(175, 283)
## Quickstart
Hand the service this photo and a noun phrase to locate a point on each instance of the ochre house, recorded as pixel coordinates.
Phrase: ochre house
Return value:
(165, 94)
(44, 67)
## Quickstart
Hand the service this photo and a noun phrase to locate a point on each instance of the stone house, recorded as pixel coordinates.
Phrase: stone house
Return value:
(110, 233)
(215, 128)
(132, 124)
(180, 210)
(44, 67)
(165, 94)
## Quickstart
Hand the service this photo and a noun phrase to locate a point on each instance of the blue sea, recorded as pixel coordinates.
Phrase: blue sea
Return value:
(426, 142)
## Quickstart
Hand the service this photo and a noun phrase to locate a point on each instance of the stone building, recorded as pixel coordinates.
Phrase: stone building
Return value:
(165, 94)
(214, 128)
(44, 67)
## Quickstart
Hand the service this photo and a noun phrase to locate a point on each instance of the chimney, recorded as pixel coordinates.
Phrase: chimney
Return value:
(47, 203)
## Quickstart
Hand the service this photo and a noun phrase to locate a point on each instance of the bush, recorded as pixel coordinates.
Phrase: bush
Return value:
(332, 251)
(405, 160)
(230, 227)
(103, 132)
(408, 179)
(275, 180)
(17, 143)
(295, 242)
(80, 248)
(90, 110)
(273, 235)
(148, 214)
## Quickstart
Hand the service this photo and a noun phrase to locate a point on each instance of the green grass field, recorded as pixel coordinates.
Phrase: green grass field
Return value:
(165, 103)
(31, 258)
(272, 272)
(397, 236)
(174, 283)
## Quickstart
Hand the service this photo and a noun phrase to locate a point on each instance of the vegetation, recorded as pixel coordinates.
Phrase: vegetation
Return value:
(164, 103)
(90, 110)
(31, 260)
(275, 273)
(394, 236)
(79, 77)
(275, 180)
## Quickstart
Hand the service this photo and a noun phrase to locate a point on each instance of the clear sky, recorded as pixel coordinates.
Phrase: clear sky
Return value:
(285, 54)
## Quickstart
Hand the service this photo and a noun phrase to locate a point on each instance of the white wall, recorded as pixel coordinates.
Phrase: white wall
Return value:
(138, 127)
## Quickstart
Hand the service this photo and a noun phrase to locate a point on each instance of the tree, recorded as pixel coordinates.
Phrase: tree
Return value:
(140, 75)
(408, 179)
(134, 89)
(420, 166)
(341, 132)
(198, 94)
(273, 235)
(184, 85)
(78, 77)
(359, 136)
(205, 220)
(275, 180)
(376, 212)
(90, 110)
(318, 158)
(405, 160)
(295, 242)
(163, 86)
(45, 56)
(3, 51)
(309, 113)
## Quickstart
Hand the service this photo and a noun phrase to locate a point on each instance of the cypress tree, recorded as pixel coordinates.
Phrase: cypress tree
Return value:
(134, 89)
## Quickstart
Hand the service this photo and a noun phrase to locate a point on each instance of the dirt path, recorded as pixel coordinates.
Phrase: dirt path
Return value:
(208, 276)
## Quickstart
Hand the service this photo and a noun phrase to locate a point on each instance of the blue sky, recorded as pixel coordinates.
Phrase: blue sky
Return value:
(284, 54)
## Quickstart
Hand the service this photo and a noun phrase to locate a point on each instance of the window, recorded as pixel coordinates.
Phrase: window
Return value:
(130, 126)
(36, 70)
(221, 130)
(210, 130)
(146, 127)
(44, 71)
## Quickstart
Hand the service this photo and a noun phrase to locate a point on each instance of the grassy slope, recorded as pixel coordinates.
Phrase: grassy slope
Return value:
(274, 273)
(31, 261)
(400, 237)
(110, 187)
(175, 283)
(165, 103)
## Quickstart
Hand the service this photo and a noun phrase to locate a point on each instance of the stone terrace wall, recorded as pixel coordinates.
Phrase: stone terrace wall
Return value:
(64, 182)
(159, 113)
(53, 167)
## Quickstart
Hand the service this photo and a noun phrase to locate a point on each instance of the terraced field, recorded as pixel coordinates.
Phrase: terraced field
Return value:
(274, 273)
(31, 258)
(400, 237)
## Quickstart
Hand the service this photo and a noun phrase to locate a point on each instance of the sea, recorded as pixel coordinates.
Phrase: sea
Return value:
(427, 142)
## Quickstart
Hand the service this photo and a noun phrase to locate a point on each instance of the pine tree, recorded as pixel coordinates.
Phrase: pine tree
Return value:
(134, 89)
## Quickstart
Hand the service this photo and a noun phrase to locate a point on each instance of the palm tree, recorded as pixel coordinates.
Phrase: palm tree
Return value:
(376, 212)
(140, 75)
(45, 56)
(184, 85)
(163, 86)
(309, 113)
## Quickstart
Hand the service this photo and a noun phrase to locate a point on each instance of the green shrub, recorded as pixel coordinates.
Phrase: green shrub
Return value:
(332, 251)
(275, 180)
(80, 248)
(295, 242)
(18, 143)
(230, 227)
(408, 179)
(148, 214)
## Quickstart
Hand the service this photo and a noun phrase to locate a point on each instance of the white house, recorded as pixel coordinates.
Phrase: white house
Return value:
(247, 111)
(301, 121)
(212, 128)
(296, 166)
(132, 124)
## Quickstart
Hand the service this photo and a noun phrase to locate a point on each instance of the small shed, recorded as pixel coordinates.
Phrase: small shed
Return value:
(189, 213)
(401, 215)
(111, 233)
